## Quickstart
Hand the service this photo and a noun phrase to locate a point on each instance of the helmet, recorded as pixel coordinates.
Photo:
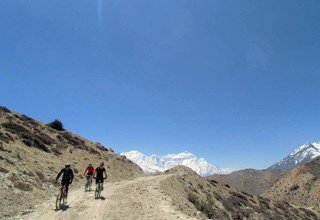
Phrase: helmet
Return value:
(67, 165)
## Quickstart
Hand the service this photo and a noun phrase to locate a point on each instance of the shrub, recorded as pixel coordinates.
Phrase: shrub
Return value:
(4, 138)
(239, 195)
(101, 147)
(234, 202)
(56, 151)
(309, 213)
(46, 138)
(14, 128)
(29, 121)
(204, 207)
(33, 140)
(93, 151)
(213, 182)
(57, 125)
(4, 109)
(76, 142)
(294, 187)
(192, 197)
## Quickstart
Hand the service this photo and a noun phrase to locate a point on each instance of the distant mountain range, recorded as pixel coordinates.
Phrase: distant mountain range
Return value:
(299, 156)
(155, 163)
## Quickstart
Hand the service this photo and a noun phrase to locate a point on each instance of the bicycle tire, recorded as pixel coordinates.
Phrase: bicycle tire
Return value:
(90, 185)
(97, 191)
(65, 195)
(86, 186)
(58, 201)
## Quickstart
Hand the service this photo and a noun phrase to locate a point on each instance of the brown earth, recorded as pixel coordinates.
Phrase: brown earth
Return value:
(301, 186)
(251, 181)
(176, 194)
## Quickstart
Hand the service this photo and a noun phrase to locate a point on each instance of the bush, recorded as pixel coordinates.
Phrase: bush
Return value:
(28, 121)
(56, 151)
(4, 137)
(33, 140)
(309, 213)
(14, 128)
(206, 207)
(57, 125)
(4, 109)
(294, 187)
(46, 138)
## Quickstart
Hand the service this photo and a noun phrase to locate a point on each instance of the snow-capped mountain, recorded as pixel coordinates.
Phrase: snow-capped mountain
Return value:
(154, 163)
(299, 156)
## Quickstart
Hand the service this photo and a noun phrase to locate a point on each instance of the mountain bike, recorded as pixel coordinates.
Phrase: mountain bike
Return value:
(61, 198)
(98, 190)
(88, 184)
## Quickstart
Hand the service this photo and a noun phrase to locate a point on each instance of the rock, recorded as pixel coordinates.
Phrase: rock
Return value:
(23, 186)
(3, 170)
(12, 176)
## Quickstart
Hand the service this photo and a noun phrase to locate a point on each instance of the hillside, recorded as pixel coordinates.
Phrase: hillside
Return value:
(300, 186)
(178, 193)
(32, 154)
(251, 181)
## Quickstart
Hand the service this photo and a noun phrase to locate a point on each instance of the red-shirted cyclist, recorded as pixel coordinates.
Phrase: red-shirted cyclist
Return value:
(89, 175)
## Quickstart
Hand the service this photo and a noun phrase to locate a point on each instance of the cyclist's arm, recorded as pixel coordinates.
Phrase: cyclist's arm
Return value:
(105, 173)
(59, 174)
(85, 171)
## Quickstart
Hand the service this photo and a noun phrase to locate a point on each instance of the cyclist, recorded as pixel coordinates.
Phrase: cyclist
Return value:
(99, 174)
(89, 172)
(67, 177)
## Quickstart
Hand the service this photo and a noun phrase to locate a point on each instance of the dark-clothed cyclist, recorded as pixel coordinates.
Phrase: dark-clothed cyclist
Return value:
(99, 174)
(67, 176)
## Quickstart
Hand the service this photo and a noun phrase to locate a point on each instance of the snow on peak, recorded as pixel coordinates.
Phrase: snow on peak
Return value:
(154, 163)
(300, 155)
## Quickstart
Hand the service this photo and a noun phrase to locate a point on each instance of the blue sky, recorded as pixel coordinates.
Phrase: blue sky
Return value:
(236, 82)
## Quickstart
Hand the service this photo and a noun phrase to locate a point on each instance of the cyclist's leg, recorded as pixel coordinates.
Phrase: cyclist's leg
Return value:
(66, 184)
(63, 183)
(98, 182)
(67, 187)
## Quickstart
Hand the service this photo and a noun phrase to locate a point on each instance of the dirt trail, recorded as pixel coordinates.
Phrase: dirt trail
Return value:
(136, 199)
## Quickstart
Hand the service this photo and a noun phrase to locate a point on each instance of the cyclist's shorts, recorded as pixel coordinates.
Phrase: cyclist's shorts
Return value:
(99, 180)
(65, 181)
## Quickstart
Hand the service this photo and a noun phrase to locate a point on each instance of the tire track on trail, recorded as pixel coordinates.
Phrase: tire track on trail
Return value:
(140, 198)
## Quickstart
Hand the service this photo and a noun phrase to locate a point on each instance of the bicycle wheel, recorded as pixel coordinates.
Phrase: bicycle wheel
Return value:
(58, 201)
(64, 196)
(86, 186)
(100, 189)
(97, 192)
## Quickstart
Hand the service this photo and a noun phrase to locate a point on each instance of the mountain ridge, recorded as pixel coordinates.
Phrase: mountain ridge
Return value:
(155, 163)
(299, 156)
